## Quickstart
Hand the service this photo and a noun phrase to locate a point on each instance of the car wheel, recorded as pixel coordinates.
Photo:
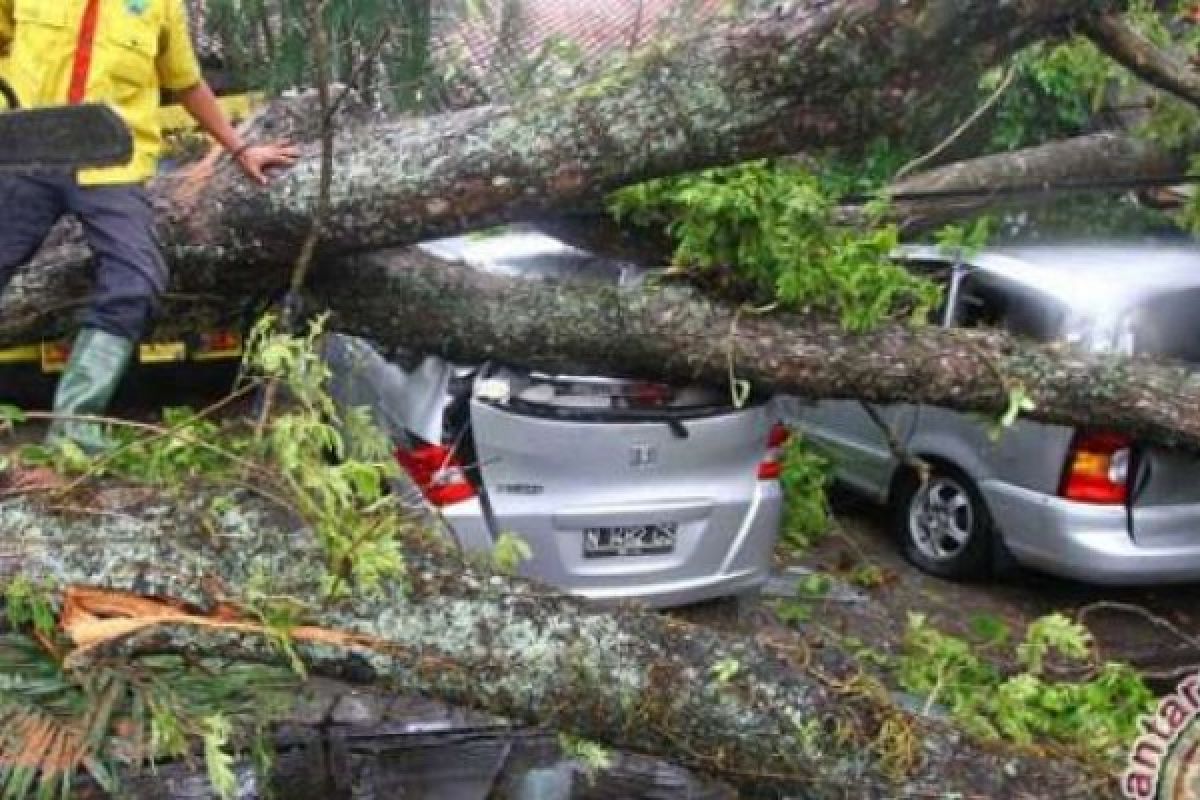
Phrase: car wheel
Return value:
(943, 525)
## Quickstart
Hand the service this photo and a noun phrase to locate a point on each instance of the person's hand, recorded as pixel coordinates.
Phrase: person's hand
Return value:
(257, 158)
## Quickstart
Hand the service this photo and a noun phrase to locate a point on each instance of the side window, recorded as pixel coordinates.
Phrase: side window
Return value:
(980, 305)
(1026, 314)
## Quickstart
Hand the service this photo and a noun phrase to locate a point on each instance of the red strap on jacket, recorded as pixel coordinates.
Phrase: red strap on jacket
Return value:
(83, 53)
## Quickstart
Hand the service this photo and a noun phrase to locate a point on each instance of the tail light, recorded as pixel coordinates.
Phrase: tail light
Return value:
(648, 395)
(55, 356)
(1098, 469)
(217, 344)
(771, 466)
(438, 474)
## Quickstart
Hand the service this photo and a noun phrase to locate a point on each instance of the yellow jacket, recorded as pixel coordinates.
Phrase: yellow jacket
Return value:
(140, 48)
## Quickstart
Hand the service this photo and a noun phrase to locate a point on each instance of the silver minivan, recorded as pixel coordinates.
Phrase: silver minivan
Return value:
(622, 489)
(1091, 504)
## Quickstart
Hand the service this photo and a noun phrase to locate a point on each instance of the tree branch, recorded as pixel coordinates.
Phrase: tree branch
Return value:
(1126, 45)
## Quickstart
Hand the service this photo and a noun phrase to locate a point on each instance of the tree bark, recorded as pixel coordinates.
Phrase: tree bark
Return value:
(1143, 58)
(814, 726)
(811, 75)
(676, 333)
(819, 74)
(927, 200)
(406, 298)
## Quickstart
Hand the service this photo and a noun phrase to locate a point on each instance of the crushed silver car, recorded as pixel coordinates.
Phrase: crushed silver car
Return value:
(623, 489)
(1095, 505)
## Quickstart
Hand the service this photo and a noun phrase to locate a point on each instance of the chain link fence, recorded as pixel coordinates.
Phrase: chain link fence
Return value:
(423, 55)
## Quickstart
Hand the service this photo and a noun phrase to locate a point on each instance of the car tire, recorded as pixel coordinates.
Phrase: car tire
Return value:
(943, 525)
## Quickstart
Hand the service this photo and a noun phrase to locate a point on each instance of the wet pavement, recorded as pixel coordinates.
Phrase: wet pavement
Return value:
(1156, 628)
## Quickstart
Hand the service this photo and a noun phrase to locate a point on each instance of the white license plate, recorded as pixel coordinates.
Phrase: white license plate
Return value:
(629, 540)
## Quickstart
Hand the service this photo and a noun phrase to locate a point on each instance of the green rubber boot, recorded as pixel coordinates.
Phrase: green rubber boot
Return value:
(98, 360)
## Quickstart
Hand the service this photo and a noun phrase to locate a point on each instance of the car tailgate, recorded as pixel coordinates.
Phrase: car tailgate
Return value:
(556, 481)
(1165, 498)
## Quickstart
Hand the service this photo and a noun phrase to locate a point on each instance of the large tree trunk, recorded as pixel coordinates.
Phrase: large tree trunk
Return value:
(408, 299)
(813, 725)
(811, 74)
(1034, 175)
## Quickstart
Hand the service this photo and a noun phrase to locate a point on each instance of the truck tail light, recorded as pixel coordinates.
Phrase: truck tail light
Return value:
(212, 345)
(438, 474)
(771, 466)
(55, 356)
(1098, 469)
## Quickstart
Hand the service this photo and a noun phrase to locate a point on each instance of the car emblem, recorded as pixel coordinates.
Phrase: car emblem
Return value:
(136, 7)
(642, 456)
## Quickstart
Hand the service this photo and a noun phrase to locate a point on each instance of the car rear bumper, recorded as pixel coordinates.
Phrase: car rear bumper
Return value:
(1087, 542)
(744, 561)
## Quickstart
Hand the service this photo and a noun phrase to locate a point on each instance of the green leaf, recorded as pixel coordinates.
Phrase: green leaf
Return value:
(10, 416)
(509, 552)
(814, 586)
(1019, 402)
(725, 670)
(989, 628)
(217, 759)
(36, 455)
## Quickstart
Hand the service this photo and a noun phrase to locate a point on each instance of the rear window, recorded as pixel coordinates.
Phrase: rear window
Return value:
(1167, 326)
(613, 395)
(584, 397)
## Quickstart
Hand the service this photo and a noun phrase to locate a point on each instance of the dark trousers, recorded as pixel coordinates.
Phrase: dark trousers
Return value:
(118, 225)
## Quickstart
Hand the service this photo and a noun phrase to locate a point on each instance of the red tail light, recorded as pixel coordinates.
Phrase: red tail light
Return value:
(438, 474)
(772, 464)
(217, 344)
(649, 395)
(1098, 469)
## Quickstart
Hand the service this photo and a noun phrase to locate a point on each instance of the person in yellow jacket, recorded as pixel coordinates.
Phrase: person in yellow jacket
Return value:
(125, 53)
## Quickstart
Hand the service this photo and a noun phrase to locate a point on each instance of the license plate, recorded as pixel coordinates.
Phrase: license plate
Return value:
(629, 540)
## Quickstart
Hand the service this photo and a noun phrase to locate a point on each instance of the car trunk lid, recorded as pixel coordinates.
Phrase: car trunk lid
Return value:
(1165, 498)
(609, 477)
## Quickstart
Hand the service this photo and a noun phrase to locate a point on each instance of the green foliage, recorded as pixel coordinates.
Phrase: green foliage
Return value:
(1098, 714)
(810, 590)
(218, 761)
(1053, 634)
(1019, 402)
(176, 459)
(509, 552)
(27, 605)
(327, 466)
(591, 756)
(102, 719)
(805, 478)
(342, 495)
(965, 239)
(868, 171)
(1060, 87)
(774, 224)
(725, 670)
(1057, 89)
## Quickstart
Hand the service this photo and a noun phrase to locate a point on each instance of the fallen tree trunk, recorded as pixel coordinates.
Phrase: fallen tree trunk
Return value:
(408, 299)
(806, 76)
(767, 85)
(770, 722)
(927, 200)
(677, 333)
(1044, 173)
